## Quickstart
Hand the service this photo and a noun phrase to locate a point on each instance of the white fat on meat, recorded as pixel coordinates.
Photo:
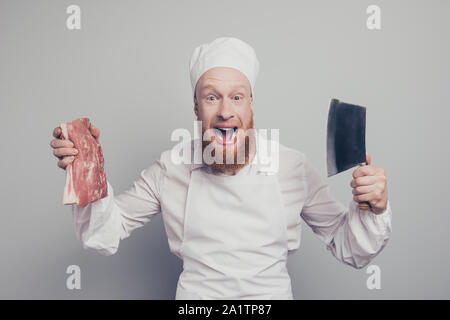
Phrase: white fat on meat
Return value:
(69, 196)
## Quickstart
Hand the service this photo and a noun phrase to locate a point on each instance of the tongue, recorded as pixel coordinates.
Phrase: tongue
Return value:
(228, 135)
(220, 137)
(223, 135)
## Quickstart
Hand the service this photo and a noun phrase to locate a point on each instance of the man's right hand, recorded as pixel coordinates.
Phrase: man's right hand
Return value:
(64, 149)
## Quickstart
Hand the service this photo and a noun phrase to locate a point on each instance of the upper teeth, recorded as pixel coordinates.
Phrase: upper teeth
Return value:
(225, 129)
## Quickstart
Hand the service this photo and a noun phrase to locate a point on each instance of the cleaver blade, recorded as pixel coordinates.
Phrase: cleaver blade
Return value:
(346, 136)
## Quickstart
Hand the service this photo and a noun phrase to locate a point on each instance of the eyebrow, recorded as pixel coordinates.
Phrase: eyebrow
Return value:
(210, 86)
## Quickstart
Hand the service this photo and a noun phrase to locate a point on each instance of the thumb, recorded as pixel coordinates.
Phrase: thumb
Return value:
(368, 160)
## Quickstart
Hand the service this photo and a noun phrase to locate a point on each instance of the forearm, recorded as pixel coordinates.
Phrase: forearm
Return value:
(361, 236)
(102, 224)
(99, 225)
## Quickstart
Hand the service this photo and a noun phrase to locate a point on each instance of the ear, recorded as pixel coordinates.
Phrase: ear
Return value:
(195, 106)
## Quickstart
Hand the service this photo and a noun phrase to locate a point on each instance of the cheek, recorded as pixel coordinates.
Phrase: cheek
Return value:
(204, 115)
(246, 116)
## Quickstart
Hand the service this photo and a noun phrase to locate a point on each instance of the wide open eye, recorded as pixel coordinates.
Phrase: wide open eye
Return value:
(211, 98)
(238, 98)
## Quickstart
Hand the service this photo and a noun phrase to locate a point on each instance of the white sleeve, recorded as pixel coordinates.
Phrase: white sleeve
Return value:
(352, 235)
(102, 224)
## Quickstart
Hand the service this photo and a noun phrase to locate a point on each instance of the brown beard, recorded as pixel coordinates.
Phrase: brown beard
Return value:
(233, 165)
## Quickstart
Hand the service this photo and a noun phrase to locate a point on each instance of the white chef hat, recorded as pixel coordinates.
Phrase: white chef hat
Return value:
(224, 52)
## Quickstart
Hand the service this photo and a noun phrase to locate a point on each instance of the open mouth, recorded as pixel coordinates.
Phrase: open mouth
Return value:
(226, 135)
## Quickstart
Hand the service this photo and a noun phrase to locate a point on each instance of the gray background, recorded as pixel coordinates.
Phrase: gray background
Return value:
(127, 70)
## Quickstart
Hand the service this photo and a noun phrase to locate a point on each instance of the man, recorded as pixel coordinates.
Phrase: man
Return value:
(233, 224)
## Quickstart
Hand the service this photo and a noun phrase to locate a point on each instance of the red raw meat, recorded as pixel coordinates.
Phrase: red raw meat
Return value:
(85, 176)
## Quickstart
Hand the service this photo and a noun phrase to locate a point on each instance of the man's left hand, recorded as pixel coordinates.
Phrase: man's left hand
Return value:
(369, 185)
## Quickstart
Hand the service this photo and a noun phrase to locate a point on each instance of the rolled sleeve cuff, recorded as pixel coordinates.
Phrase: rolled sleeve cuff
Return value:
(380, 221)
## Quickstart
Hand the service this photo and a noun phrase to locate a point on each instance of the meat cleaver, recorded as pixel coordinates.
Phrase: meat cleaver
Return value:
(346, 138)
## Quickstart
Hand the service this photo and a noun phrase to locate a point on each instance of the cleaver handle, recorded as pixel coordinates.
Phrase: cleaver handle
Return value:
(364, 205)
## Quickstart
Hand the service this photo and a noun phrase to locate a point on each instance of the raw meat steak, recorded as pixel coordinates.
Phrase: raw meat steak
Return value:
(85, 176)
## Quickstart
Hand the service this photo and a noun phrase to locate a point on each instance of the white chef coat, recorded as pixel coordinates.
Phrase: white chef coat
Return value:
(353, 236)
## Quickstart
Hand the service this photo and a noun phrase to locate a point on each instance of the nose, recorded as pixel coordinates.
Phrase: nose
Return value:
(225, 111)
